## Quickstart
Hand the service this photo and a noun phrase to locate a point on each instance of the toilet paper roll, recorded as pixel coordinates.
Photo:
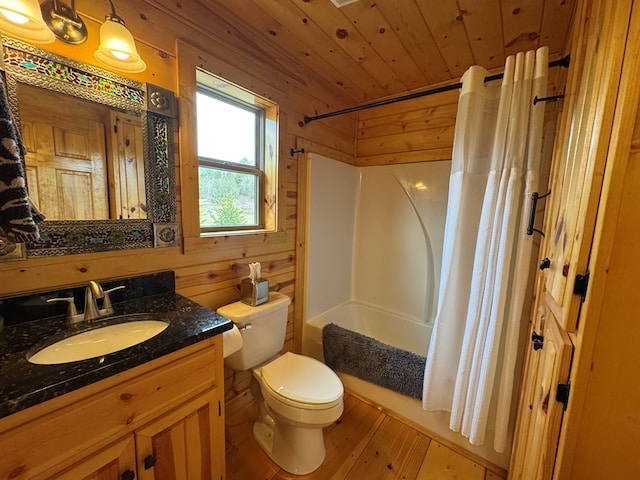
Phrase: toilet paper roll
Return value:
(231, 341)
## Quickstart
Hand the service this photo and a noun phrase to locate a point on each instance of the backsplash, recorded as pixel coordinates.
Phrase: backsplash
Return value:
(34, 306)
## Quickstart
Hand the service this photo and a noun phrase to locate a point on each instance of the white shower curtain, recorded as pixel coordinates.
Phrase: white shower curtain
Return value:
(487, 254)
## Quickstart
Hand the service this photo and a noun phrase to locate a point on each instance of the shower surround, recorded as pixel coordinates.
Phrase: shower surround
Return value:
(374, 246)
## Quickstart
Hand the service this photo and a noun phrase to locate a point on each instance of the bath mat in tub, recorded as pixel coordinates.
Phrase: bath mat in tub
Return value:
(373, 361)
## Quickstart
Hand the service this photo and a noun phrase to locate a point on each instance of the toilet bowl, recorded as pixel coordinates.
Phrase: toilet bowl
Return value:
(297, 406)
(298, 396)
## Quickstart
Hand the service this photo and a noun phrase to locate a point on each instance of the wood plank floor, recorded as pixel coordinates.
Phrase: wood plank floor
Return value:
(365, 443)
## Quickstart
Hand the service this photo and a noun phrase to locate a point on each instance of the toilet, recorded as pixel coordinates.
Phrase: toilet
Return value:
(298, 395)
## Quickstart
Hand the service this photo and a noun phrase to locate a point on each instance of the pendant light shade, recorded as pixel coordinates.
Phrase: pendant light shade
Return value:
(22, 19)
(117, 48)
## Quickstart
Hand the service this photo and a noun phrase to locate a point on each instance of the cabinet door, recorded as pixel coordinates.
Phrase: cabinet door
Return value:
(540, 413)
(185, 444)
(115, 462)
(582, 146)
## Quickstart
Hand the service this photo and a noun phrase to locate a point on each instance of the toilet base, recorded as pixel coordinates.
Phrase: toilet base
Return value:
(297, 450)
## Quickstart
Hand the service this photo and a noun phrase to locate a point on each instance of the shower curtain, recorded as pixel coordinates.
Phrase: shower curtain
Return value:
(487, 254)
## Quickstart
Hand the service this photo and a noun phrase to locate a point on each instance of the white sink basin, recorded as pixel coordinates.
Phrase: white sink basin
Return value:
(98, 341)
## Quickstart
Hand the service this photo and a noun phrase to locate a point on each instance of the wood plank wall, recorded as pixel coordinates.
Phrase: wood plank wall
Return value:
(421, 129)
(409, 131)
(418, 130)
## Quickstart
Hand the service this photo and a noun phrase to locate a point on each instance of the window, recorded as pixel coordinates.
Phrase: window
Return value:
(234, 130)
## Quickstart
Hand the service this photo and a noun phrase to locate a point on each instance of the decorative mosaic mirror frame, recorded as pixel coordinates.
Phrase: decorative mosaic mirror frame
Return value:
(24, 63)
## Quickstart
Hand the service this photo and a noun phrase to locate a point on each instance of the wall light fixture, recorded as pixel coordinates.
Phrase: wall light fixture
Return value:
(64, 21)
(23, 20)
(31, 22)
(117, 47)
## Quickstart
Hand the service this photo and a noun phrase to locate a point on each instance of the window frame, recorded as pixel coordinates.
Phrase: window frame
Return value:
(266, 146)
(240, 243)
(258, 170)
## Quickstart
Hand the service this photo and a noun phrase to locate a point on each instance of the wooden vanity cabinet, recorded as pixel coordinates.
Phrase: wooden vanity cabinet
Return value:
(161, 420)
(179, 443)
(115, 462)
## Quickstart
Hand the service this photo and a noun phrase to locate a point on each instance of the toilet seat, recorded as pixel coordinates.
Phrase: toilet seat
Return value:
(302, 382)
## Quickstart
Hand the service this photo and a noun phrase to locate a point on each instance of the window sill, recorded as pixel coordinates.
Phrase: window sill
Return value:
(234, 233)
(241, 239)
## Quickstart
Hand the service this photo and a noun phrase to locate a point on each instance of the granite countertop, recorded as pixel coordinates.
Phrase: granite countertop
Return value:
(23, 384)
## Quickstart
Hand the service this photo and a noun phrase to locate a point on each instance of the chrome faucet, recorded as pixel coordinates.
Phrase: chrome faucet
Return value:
(92, 293)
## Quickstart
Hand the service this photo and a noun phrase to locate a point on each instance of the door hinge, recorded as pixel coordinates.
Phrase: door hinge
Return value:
(219, 409)
(580, 286)
(562, 394)
(538, 341)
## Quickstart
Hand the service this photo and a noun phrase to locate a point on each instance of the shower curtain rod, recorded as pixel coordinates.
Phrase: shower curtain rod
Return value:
(563, 62)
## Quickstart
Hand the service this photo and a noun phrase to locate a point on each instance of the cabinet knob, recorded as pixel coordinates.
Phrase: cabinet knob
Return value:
(128, 475)
(544, 263)
(149, 461)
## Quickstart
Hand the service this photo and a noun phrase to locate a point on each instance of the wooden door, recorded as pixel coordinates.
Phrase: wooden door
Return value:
(115, 462)
(580, 154)
(66, 155)
(126, 172)
(184, 443)
(581, 150)
(548, 364)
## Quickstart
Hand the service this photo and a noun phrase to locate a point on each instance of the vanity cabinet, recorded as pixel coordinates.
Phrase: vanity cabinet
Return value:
(115, 462)
(161, 420)
(179, 443)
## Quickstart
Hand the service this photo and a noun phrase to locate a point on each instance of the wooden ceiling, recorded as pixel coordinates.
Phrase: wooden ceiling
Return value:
(374, 49)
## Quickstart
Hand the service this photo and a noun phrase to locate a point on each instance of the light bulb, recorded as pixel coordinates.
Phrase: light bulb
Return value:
(119, 55)
(14, 17)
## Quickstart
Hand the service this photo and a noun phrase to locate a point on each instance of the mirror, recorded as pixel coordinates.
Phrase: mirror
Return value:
(100, 160)
(85, 160)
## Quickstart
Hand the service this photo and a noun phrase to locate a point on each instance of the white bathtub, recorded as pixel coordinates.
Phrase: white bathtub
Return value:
(400, 332)
(386, 327)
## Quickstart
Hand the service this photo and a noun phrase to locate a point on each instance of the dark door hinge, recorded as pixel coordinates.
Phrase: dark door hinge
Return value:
(580, 286)
(219, 409)
(562, 394)
(149, 461)
(538, 341)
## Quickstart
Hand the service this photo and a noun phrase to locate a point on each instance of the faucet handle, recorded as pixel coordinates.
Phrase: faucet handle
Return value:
(72, 311)
(107, 307)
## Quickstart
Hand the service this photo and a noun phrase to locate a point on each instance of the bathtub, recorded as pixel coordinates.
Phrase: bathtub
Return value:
(401, 332)
(374, 345)
(386, 327)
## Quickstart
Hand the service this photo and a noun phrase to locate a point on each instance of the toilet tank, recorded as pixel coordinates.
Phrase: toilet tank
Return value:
(263, 329)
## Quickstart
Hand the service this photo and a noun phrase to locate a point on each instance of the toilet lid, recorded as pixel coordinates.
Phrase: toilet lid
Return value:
(302, 379)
